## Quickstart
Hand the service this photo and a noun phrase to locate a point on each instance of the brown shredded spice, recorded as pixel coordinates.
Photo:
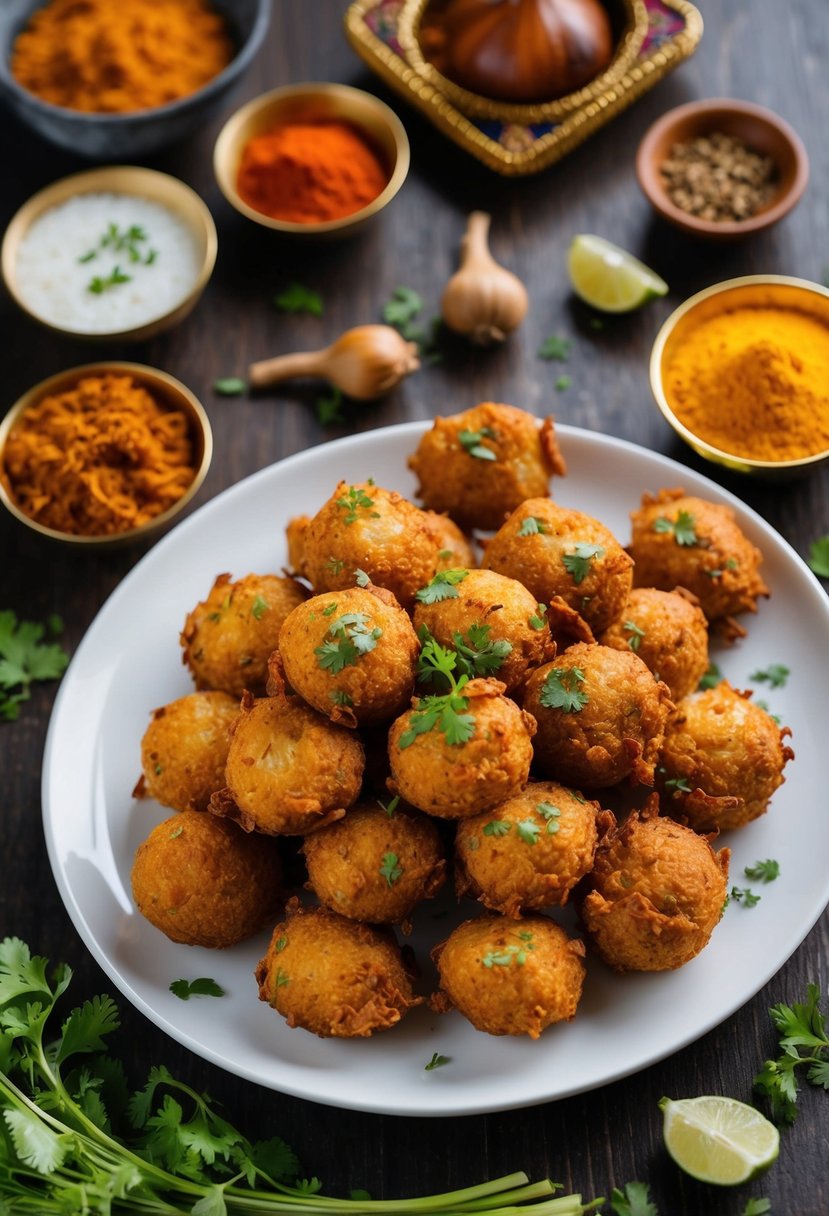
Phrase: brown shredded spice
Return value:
(99, 458)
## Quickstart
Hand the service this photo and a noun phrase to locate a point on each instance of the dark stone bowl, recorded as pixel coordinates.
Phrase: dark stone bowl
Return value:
(125, 137)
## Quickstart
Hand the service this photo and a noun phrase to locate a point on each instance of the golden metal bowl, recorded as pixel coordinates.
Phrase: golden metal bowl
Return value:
(311, 102)
(118, 179)
(751, 291)
(163, 387)
(624, 54)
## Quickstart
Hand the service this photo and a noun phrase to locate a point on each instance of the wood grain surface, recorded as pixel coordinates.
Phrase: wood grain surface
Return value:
(763, 50)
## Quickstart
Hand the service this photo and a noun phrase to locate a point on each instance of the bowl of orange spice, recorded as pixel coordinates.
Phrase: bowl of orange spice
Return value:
(312, 159)
(741, 373)
(103, 455)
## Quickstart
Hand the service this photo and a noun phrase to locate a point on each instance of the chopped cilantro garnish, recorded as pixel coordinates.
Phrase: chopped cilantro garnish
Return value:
(744, 896)
(683, 527)
(527, 831)
(775, 676)
(472, 442)
(554, 347)
(763, 871)
(297, 298)
(334, 565)
(437, 1061)
(389, 807)
(477, 655)
(442, 587)
(390, 868)
(24, 658)
(577, 564)
(711, 679)
(636, 634)
(538, 621)
(531, 526)
(561, 690)
(99, 285)
(401, 310)
(361, 578)
(340, 697)
(563, 382)
(204, 986)
(678, 784)
(510, 953)
(447, 712)
(551, 814)
(497, 827)
(259, 607)
(347, 640)
(354, 501)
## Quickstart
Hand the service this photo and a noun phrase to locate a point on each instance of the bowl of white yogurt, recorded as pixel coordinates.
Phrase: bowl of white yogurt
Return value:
(114, 253)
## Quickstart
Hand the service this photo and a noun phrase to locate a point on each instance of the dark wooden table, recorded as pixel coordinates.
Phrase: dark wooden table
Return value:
(761, 50)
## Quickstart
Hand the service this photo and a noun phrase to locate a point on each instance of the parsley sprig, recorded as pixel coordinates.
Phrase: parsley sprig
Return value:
(477, 654)
(803, 1042)
(354, 501)
(444, 586)
(562, 690)
(447, 713)
(24, 658)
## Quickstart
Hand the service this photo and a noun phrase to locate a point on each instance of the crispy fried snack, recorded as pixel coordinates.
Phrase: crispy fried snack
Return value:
(184, 750)
(455, 550)
(669, 633)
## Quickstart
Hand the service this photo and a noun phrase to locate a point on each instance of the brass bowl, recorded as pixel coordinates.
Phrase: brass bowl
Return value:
(758, 291)
(118, 179)
(626, 50)
(163, 387)
(311, 102)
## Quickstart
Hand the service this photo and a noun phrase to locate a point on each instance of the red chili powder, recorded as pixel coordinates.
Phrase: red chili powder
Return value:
(306, 172)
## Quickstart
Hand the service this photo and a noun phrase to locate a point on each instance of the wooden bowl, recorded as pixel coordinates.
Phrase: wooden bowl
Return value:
(165, 388)
(312, 102)
(761, 129)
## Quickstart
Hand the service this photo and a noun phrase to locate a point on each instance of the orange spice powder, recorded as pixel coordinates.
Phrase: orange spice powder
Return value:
(116, 56)
(98, 459)
(307, 172)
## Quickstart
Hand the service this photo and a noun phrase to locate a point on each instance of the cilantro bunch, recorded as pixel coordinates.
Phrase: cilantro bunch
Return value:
(26, 657)
(803, 1042)
(447, 712)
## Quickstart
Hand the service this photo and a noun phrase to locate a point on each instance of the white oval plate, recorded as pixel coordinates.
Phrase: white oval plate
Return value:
(129, 662)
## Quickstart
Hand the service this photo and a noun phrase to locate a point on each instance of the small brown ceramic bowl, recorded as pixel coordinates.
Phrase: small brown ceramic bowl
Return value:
(166, 391)
(761, 129)
(751, 291)
(313, 102)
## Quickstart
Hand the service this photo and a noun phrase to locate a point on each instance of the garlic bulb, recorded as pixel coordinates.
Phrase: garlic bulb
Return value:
(482, 300)
(364, 362)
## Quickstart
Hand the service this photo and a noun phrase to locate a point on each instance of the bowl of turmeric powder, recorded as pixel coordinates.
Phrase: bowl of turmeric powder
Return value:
(741, 373)
(312, 159)
(113, 80)
(103, 455)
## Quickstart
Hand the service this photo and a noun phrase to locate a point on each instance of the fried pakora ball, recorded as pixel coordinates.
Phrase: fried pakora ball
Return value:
(601, 717)
(669, 633)
(681, 541)
(557, 552)
(377, 864)
(229, 637)
(455, 550)
(289, 770)
(510, 977)
(364, 527)
(530, 851)
(204, 882)
(479, 465)
(351, 654)
(722, 759)
(488, 761)
(493, 623)
(184, 750)
(333, 976)
(656, 892)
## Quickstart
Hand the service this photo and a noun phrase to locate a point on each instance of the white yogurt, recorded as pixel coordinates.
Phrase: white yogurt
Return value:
(55, 272)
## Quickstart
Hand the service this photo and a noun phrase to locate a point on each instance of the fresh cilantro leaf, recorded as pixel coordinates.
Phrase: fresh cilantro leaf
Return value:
(562, 383)
(348, 639)
(361, 578)
(25, 658)
(472, 442)
(389, 807)
(230, 386)
(297, 298)
(633, 1200)
(803, 1041)
(711, 679)
(561, 690)
(511, 953)
(744, 896)
(683, 527)
(679, 785)
(98, 285)
(204, 986)
(577, 564)
(636, 634)
(477, 655)
(328, 407)
(554, 347)
(340, 697)
(390, 868)
(763, 871)
(437, 1061)
(334, 565)
(538, 620)
(531, 526)
(259, 607)
(354, 501)
(276, 1159)
(527, 831)
(551, 814)
(401, 310)
(447, 712)
(819, 557)
(775, 676)
(496, 827)
(442, 587)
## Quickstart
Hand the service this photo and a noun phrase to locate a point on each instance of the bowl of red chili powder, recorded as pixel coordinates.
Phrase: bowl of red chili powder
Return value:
(312, 159)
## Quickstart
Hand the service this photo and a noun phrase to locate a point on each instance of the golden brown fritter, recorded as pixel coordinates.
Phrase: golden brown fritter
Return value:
(455, 550)
(722, 759)
(351, 654)
(601, 717)
(204, 882)
(509, 977)
(494, 618)
(377, 864)
(669, 633)
(184, 750)
(478, 490)
(555, 551)
(289, 770)
(682, 541)
(453, 780)
(529, 852)
(228, 637)
(656, 892)
(364, 527)
(333, 976)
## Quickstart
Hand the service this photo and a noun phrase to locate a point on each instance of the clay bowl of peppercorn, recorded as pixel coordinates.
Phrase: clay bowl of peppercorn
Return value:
(312, 160)
(721, 169)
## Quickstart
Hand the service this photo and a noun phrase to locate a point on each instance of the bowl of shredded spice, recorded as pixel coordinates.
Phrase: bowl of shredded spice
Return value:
(116, 79)
(104, 454)
(721, 169)
(741, 373)
(312, 159)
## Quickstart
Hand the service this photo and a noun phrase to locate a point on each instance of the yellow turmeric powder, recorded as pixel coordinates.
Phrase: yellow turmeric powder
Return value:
(97, 459)
(116, 56)
(754, 382)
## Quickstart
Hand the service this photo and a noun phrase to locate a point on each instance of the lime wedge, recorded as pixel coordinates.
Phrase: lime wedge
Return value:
(608, 278)
(717, 1139)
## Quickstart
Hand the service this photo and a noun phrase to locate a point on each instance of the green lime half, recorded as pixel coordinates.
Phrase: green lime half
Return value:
(717, 1139)
(609, 278)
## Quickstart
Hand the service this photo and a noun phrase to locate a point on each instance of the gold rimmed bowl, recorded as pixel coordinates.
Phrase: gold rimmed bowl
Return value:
(130, 181)
(630, 17)
(778, 292)
(169, 393)
(313, 102)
